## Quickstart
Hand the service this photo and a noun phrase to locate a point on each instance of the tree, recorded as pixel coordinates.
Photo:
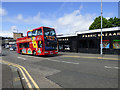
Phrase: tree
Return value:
(112, 22)
(116, 22)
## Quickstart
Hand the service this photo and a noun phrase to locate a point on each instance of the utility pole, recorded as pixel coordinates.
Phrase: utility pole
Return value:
(101, 28)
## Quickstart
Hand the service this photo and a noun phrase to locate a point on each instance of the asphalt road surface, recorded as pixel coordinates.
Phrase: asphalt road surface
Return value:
(68, 70)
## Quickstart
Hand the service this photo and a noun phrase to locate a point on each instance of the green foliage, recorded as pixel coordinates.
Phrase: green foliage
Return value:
(112, 22)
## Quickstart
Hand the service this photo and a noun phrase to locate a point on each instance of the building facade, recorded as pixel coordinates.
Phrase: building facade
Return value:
(17, 35)
(89, 41)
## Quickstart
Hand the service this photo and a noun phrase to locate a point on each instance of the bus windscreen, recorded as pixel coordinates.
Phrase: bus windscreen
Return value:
(50, 39)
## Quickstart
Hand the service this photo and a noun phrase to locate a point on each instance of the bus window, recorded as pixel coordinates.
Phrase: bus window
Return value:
(39, 44)
(40, 32)
(34, 33)
(49, 32)
(27, 45)
(20, 45)
(29, 34)
(24, 45)
(46, 33)
(52, 32)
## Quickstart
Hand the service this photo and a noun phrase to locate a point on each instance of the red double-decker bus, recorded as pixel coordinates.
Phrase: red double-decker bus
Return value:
(39, 41)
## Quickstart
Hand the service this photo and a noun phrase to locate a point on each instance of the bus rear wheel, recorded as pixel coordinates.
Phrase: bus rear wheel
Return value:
(34, 53)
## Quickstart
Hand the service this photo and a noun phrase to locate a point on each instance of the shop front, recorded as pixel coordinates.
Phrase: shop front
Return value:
(90, 42)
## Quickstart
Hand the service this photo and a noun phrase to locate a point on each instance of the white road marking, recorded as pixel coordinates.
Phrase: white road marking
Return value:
(116, 67)
(22, 58)
(26, 56)
(53, 60)
(107, 67)
(111, 67)
(41, 58)
(37, 57)
(62, 61)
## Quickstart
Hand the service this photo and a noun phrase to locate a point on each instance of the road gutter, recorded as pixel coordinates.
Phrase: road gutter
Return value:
(17, 83)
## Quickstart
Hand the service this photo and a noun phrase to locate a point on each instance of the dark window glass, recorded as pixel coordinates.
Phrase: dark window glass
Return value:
(20, 45)
(39, 44)
(29, 34)
(49, 32)
(34, 33)
(50, 39)
(24, 45)
(51, 45)
(40, 32)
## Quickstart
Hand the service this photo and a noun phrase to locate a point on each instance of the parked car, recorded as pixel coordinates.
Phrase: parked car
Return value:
(7, 46)
(67, 47)
(13, 48)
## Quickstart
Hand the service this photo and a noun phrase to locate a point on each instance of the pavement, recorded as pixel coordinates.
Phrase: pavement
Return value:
(68, 70)
(10, 77)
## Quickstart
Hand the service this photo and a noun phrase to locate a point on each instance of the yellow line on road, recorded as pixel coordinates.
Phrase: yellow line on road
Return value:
(28, 83)
(91, 57)
(26, 79)
(36, 86)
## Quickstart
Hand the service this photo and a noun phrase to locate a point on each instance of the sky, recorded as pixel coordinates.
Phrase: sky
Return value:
(65, 17)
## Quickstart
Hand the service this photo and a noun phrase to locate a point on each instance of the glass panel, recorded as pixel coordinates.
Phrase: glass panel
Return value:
(39, 44)
(52, 32)
(34, 33)
(40, 32)
(106, 44)
(50, 39)
(50, 45)
(116, 44)
(24, 45)
(29, 34)
(49, 32)
(20, 45)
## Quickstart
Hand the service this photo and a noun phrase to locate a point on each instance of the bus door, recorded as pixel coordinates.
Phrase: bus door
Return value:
(40, 48)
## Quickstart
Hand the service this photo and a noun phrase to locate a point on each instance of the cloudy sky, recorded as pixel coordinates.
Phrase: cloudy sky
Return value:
(65, 17)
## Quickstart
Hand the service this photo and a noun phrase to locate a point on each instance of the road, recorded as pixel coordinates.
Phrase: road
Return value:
(68, 70)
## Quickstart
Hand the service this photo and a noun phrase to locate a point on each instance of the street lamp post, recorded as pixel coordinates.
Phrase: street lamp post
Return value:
(101, 27)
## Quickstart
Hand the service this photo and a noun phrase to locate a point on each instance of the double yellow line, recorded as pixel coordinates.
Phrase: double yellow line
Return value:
(92, 57)
(22, 69)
